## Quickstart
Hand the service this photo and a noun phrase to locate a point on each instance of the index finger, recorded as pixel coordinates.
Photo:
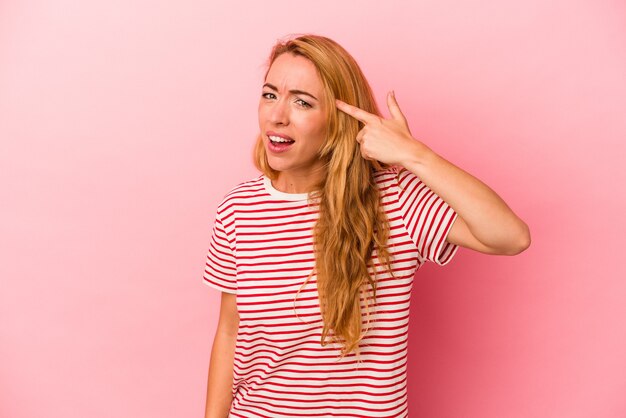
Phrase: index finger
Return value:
(355, 112)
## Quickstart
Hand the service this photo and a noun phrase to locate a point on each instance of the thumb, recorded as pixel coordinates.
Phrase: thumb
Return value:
(394, 108)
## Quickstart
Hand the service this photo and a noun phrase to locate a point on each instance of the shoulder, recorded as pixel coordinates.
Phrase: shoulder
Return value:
(399, 184)
(390, 178)
(401, 179)
(241, 193)
(385, 174)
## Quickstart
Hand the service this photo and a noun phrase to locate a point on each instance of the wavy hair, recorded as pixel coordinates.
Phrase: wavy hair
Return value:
(351, 220)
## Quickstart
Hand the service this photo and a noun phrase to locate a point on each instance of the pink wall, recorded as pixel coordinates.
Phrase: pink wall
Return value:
(122, 124)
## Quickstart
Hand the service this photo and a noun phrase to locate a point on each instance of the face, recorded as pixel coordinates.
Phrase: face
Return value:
(292, 109)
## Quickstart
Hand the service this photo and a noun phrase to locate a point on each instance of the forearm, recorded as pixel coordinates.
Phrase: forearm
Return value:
(219, 386)
(487, 216)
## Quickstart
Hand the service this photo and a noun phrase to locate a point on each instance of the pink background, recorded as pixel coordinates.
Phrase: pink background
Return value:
(123, 124)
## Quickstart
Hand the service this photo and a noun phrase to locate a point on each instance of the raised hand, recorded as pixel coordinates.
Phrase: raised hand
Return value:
(386, 140)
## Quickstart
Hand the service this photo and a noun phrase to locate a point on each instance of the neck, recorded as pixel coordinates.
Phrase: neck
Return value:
(289, 182)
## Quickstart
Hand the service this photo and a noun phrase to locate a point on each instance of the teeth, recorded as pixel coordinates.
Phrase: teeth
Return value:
(278, 139)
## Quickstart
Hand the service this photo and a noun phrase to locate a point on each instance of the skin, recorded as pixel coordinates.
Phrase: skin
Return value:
(485, 223)
(284, 108)
(219, 386)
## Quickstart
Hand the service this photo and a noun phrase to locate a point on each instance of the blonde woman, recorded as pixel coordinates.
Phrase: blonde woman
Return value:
(315, 257)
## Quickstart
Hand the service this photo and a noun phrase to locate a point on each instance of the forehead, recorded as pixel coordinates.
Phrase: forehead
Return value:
(294, 72)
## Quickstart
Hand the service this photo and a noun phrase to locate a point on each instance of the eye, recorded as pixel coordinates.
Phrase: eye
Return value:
(268, 95)
(303, 103)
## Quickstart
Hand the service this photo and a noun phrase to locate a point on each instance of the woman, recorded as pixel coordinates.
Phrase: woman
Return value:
(321, 249)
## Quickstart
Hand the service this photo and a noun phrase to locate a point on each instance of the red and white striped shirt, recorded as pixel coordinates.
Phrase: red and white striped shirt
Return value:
(261, 249)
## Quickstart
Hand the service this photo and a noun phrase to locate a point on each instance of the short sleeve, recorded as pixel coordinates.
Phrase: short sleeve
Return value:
(427, 217)
(220, 271)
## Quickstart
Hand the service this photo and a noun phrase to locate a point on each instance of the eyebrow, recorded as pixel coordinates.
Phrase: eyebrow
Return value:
(271, 86)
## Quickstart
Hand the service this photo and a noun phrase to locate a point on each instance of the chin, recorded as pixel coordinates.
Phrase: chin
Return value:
(275, 164)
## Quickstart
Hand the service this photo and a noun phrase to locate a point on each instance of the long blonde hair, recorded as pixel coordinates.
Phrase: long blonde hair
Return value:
(351, 220)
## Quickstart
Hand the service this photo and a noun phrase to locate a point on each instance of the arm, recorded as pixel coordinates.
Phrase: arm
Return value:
(484, 221)
(219, 386)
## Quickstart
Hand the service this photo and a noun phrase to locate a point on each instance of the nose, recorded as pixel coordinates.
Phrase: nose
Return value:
(279, 113)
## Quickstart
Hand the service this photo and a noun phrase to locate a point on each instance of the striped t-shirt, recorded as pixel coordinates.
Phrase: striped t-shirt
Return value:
(261, 249)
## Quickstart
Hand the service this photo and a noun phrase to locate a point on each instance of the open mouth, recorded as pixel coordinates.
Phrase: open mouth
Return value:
(277, 140)
(278, 144)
